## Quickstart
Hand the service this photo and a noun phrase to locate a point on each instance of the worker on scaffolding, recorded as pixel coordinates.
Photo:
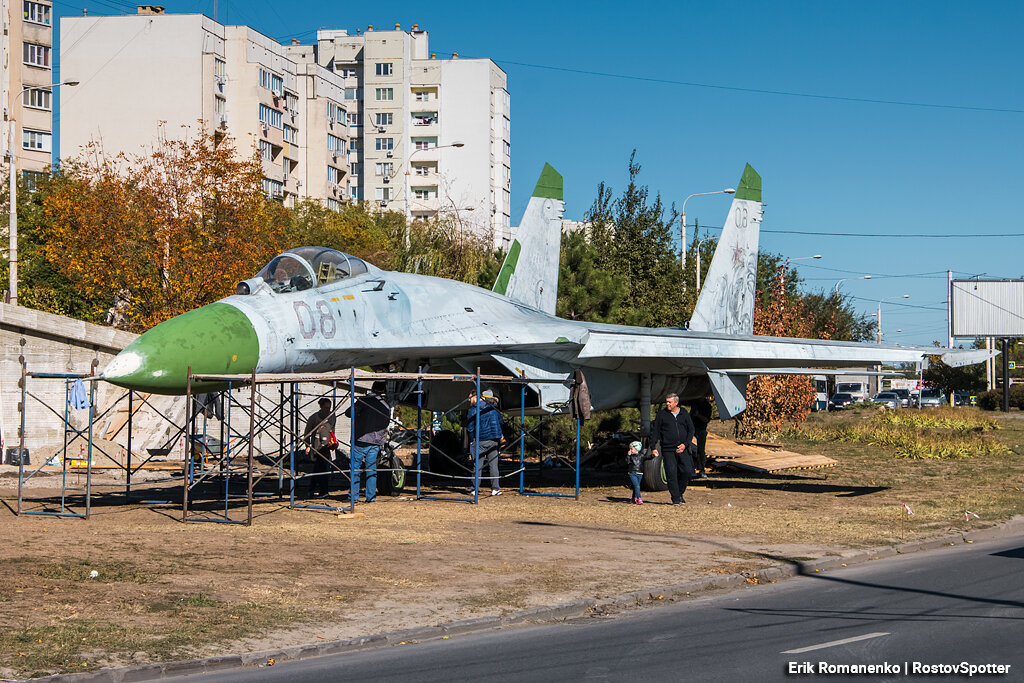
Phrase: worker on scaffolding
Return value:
(372, 417)
(321, 444)
(490, 436)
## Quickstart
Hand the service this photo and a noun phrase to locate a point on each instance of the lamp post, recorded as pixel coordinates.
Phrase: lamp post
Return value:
(904, 296)
(805, 258)
(682, 224)
(12, 225)
(846, 279)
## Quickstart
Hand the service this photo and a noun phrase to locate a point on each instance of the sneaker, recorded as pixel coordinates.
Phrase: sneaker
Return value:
(639, 501)
(495, 492)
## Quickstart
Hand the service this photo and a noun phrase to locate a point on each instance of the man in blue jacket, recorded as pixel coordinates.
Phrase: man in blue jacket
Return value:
(490, 435)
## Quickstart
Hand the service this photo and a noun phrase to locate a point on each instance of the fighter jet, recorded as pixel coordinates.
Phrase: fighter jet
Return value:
(314, 309)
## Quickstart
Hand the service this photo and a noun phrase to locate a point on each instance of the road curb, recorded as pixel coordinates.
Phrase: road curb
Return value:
(558, 612)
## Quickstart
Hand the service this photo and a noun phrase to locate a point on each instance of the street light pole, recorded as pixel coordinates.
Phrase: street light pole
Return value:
(407, 185)
(846, 279)
(12, 219)
(879, 315)
(682, 224)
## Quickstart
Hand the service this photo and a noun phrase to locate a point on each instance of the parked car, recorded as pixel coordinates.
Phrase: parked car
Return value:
(889, 399)
(932, 398)
(904, 395)
(964, 398)
(840, 401)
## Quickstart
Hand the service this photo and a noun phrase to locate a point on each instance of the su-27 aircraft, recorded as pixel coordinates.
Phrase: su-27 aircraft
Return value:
(313, 309)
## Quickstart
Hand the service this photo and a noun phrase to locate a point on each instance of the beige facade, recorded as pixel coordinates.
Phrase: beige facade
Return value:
(149, 76)
(27, 78)
(428, 134)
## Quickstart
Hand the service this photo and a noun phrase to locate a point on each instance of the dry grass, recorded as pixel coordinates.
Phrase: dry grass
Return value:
(172, 590)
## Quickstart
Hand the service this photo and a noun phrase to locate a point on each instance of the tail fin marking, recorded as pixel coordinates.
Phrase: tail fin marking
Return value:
(529, 274)
(726, 301)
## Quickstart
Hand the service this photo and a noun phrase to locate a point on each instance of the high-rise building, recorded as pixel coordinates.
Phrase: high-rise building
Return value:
(370, 116)
(27, 93)
(154, 75)
(428, 135)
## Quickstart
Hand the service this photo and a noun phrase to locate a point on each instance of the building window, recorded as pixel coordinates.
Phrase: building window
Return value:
(384, 118)
(332, 204)
(508, 150)
(271, 117)
(37, 55)
(383, 194)
(355, 144)
(424, 193)
(335, 114)
(422, 95)
(271, 82)
(356, 169)
(384, 69)
(353, 119)
(424, 143)
(273, 188)
(421, 170)
(37, 139)
(220, 68)
(219, 105)
(353, 94)
(333, 175)
(355, 192)
(336, 144)
(385, 144)
(385, 94)
(266, 151)
(38, 98)
(37, 13)
(348, 72)
(291, 135)
(386, 169)
(33, 179)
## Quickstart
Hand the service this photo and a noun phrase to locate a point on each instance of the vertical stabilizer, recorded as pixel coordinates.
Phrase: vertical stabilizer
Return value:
(530, 272)
(726, 301)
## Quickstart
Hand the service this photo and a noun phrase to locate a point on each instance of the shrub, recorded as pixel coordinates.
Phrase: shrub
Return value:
(990, 400)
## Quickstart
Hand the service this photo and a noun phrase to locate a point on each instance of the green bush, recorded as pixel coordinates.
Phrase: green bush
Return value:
(990, 400)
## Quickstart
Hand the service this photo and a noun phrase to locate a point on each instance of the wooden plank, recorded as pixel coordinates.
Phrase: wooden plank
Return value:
(759, 459)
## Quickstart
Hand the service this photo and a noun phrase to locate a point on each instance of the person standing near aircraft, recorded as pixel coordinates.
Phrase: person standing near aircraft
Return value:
(635, 460)
(320, 444)
(372, 418)
(490, 435)
(700, 415)
(673, 429)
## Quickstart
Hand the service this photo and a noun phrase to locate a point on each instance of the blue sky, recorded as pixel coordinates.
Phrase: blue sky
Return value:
(592, 81)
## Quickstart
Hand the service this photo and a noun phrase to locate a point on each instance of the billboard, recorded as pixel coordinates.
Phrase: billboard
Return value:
(987, 308)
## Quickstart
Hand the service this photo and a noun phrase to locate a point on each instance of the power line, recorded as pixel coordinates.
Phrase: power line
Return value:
(763, 91)
(904, 235)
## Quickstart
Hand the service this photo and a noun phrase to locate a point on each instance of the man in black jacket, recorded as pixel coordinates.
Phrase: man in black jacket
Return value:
(700, 415)
(673, 429)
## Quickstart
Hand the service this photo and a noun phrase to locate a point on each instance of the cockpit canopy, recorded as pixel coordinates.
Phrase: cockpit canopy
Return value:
(305, 268)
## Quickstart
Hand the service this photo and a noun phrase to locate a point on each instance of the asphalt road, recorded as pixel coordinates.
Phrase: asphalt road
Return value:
(945, 607)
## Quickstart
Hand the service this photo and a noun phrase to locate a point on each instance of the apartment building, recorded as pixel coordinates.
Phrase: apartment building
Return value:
(153, 75)
(365, 116)
(427, 135)
(27, 95)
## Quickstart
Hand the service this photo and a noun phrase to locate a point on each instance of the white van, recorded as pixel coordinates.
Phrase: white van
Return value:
(859, 390)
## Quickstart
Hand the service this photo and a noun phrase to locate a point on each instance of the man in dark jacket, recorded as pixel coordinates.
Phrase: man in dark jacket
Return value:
(319, 447)
(673, 429)
(700, 414)
(371, 420)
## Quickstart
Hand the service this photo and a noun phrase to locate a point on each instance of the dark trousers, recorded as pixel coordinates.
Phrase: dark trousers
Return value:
(678, 467)
(702, 454)
(320, 484)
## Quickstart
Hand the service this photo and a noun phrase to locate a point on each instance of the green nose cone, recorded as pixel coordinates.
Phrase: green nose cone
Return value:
(214, 339)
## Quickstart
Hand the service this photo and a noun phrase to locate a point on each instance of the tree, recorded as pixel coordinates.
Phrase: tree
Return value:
(587, 291)
(175, 229)
(773, 400)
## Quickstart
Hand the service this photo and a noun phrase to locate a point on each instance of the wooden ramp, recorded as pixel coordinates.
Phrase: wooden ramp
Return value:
(747, 456)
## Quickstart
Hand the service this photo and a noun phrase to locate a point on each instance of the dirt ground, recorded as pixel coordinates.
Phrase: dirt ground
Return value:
(164, 589)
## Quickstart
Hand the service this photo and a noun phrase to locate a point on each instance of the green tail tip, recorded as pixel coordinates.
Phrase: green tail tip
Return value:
(549, 185)
(750, 185)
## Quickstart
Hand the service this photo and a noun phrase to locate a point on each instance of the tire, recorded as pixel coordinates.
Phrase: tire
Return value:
(654, 475)
(444, 456)
(390, 483)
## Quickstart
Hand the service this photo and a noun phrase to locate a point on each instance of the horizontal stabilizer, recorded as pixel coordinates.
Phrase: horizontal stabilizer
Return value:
(730, 393)
(957, 358)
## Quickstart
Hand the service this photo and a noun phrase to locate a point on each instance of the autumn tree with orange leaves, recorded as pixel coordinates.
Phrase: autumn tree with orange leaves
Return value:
(169, 231)
(774, 400)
